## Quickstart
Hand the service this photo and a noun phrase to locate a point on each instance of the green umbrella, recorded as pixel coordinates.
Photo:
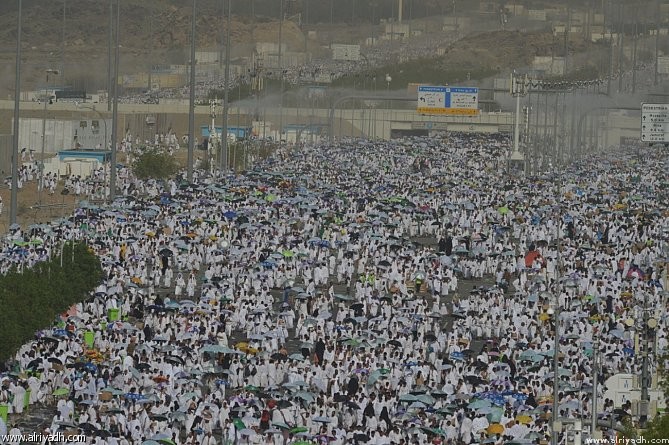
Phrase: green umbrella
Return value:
(61, 392)
(288, 253)
(270, 198)
(166, 442)
(238, 424)
(503, 210)
(299, 429)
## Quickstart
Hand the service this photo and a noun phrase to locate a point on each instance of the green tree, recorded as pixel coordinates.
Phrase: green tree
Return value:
(154, 163)
(32, 299)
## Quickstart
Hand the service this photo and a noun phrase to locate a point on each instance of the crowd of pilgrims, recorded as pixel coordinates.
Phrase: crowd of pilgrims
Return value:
(320, 298)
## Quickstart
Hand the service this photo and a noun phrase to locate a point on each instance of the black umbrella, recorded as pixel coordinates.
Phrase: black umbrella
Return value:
(76, 365)
(457, 315)
(50, 339)
(143, 367)
(159, 418)
(279, 356)
(340, 398)
(430, 337)
(35, 364)
(384, 263)
(166, 252)
(102, 433)
(357, 306)
(284, 404)
(395, 343)
(474, 380)
(88, 427)
(353, 405)
(438, 394)
(364, 438)
(54, 360)
(174, 359)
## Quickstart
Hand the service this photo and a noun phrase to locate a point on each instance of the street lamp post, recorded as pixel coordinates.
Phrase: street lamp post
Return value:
(13, 208)
(556, 424)
(40, 186)
(117, 62)
(595, 375)
(390, 130)
(191, 107)
(224, 161)
(518, 88)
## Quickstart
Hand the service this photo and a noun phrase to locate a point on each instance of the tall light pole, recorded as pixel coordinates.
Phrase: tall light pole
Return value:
(226, 96)
(556, 424)
(117, 62)
(191, 108)
(280, 71)
(62, 52)
(519, 88)
(595, 375)
(13, 208)
(47, 98)
(109, 55)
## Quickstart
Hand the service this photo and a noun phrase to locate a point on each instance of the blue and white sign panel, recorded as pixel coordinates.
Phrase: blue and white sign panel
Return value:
(655, 123)
(456, 101)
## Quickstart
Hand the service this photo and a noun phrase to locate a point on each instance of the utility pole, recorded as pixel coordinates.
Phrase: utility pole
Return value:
(595, 376)
(609, 22)
(47, 99)
(117, 62)
(13, 209)
(566, 42)
(621, 40)
(226, 105)
(636, 38)
(280, 71)
(150, 80)
(649, 324)
(518, 88)
(62, 52)
(191, 108)
(657, 41)
(109, 55)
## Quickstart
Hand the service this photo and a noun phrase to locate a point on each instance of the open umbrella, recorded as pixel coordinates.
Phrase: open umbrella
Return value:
(60, 392)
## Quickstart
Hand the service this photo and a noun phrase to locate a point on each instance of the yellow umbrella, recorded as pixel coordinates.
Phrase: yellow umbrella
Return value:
(495, 428)
(526, 420)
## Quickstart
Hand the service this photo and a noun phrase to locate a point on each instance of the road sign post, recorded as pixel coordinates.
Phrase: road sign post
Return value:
(655, 123)
(453, 101)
